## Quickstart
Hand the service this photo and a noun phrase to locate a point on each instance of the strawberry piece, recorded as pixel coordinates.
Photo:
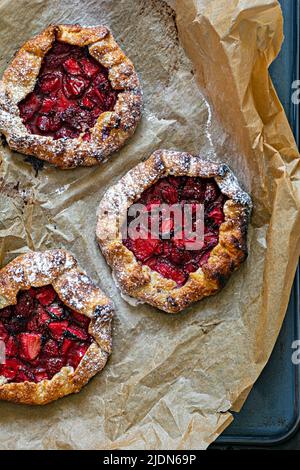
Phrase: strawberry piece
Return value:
(179, 242)
(25, 305)
(97, 96)
(191, 266)
(110, 100)
(48, 106)
(143, 249)
(90, 68)
(3, 332)
(74, 86)
(176, 255)
(5, 312)
(166, 192)
(16, 325)
(168, 270)
(170, 194)
(7, 372)
(87, 103)
(39, 322)
(72, 66)
(23, 376)
(50, 349)
(216, 214)
(81, 319)
(95, 113)
(193, 189)
(32, 292)
(66, 345)
(46, 295)
(204, 258)
(62, 103)
(55, 311)
(10, 368)
(40, 374)
(77, 118)
(76, 332)
(54, 365)
(175, 181)
(29, 106)
(57, 329)
(43, 123)
(211, 192)
(55, 123)
(11, 347)
(87, 136)
(30, 345)
(76, 354)
(50, 83)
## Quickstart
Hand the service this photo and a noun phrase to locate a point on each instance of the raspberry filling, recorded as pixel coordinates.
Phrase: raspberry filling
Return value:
(174, 258)
(71, 91)
(41, 336)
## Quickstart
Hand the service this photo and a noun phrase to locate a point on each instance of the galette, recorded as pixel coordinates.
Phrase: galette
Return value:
(173, 229)
(70, 96)
(55, 328)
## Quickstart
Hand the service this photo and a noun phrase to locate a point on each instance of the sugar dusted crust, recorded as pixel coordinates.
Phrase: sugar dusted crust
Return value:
(112, 128)
(139, 281)
(78, 292)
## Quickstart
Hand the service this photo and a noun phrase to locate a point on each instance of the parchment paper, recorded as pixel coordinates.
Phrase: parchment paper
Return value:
(171, 380)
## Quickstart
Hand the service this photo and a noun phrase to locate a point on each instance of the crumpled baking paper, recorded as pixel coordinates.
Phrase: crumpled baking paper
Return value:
(171, 380)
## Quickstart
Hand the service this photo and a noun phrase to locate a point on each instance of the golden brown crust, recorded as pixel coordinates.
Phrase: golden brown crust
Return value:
(78, 292)
(112, 128)
(139, 281)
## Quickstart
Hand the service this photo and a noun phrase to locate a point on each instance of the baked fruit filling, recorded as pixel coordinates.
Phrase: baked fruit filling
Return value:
(41, 336)
(177, 256)
(71, 91)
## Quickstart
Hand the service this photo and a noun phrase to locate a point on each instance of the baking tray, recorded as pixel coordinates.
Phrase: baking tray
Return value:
(271, 413)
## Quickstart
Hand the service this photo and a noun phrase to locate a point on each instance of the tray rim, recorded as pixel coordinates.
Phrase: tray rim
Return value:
(280, 438)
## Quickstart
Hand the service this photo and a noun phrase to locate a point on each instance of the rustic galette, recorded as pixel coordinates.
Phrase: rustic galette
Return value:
(174, 267)
(55, 328)
(70, 96)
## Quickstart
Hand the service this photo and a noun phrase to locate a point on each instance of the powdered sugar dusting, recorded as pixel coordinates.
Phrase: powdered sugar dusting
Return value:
(44, 265)
(17, 274)
(75, 289)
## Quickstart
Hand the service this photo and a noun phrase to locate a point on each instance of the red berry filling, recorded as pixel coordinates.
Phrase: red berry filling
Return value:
(41, 336)
(174, 258)
(72, 90)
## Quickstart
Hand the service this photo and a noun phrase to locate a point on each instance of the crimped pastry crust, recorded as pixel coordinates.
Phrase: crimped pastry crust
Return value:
(78, 292)
(112, 128)
(139, 281)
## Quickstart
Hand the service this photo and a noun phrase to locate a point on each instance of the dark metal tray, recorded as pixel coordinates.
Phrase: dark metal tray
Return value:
(271, 413)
